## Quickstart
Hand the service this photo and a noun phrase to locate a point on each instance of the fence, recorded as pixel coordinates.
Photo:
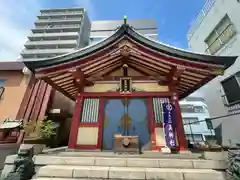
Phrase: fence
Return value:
(215, 133)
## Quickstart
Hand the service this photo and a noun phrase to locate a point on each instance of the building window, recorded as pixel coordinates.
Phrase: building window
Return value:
(192, 109)
(231, 88)
(190, 120)
(221, 34)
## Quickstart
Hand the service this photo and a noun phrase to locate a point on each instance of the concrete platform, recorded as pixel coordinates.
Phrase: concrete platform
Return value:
(107, 165)
(133, 173)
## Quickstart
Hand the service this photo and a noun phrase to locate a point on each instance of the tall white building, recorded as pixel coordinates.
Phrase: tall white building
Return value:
(194, 113)
(56, 32)
(103, 29)
(216, 32)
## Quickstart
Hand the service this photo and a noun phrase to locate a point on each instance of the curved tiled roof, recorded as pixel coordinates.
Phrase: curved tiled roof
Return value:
(126, 30)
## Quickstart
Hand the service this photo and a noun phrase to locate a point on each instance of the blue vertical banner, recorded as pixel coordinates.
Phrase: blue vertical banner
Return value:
(169, 124)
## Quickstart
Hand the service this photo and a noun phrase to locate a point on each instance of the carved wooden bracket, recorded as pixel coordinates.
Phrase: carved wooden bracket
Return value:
(125, 48)
(125, 51)
(173, 78)
(79, 79)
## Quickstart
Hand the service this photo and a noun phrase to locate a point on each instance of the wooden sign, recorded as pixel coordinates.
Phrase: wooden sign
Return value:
(125, 84)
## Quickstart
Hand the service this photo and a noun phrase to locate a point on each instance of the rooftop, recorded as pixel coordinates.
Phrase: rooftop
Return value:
(144, 54)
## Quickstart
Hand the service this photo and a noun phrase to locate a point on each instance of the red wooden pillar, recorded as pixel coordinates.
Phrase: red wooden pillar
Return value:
(152, 124)
(101, 123)
(75, 122)
(179, 125)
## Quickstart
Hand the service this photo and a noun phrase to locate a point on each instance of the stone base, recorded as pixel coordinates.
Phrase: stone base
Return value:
(223, 155)
(166, 150)
(97, 165)
(185, 152)
(93, 172)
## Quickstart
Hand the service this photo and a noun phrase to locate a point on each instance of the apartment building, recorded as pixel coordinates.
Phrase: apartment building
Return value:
(216, 32)
(103, 29)
(56, 32)
(194, 113)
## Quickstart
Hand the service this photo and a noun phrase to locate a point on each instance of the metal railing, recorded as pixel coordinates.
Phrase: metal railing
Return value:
(61, 12)
(59, 26)
(206, 8)
(57, 20)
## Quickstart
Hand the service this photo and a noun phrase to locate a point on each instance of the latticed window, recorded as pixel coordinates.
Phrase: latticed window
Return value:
(222, 33)
(90, 110)
(158, 109)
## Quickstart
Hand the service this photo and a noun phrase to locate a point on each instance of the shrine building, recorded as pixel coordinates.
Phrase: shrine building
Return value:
(128, 85)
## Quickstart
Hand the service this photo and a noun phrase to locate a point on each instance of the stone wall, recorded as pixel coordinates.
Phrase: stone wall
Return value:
(6, 150)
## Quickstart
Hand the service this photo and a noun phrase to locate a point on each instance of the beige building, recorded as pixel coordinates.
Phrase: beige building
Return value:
(14, 84)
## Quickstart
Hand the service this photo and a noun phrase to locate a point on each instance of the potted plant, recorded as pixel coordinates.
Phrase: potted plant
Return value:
(47, 132)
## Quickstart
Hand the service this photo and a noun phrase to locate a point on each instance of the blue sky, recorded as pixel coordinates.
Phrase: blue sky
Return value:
(173, 17)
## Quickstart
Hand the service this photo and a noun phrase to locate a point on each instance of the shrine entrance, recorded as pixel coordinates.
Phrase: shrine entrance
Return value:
(128, 117)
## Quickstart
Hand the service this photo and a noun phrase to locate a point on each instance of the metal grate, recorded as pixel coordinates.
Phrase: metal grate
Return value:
(90, 110)
(158, 109)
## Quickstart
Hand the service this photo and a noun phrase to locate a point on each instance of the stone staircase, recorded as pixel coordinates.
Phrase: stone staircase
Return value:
(99, 165)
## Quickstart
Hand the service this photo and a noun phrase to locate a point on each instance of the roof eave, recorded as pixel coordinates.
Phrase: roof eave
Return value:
(125, 29)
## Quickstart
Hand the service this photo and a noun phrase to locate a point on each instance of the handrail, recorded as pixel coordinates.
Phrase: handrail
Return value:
(61, 12)
(59, 26)
(206, 8)
(57, 20)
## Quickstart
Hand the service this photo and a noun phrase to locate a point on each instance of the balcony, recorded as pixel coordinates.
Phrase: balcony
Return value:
(53, 36)
(62, 11)
(44, 53)
(67, 21)
(206, 8)
(61, 15)
(46, 29)
(51, 44)
(58, 26)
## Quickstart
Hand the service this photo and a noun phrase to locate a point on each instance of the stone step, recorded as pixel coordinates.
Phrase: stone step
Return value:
(96, 172)
(41, 160)
(146, 154)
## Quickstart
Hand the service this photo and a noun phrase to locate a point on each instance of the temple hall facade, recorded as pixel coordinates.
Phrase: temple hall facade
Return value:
(128, 86)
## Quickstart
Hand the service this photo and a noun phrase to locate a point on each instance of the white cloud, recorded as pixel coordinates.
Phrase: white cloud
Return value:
(16, 19)
(89, 6)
